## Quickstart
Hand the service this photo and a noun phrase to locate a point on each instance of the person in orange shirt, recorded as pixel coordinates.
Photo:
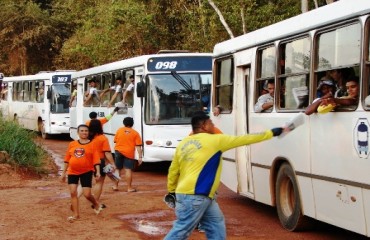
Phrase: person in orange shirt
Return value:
(80, 162)
(102, 144)
(215, 129)
(103, 120)
(127, 140)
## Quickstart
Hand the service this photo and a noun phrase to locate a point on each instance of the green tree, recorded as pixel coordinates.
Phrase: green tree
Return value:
(27, 37)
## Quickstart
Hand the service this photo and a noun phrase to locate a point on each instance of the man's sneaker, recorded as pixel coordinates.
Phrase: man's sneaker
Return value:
(97, 211)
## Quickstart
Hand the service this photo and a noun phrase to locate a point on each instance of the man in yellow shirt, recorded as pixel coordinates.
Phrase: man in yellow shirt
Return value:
(194, 177)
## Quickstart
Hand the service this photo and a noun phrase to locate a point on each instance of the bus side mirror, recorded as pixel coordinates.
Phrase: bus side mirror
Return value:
(48, 94)
(140, 89)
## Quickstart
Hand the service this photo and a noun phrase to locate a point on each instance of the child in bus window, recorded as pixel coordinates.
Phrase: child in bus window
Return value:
(325, 89)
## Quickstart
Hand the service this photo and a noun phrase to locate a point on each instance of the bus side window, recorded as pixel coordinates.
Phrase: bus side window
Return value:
(293, 78)
(224, 84)
(330, 56)
(19, 92)
(265, 81)
(26, 93)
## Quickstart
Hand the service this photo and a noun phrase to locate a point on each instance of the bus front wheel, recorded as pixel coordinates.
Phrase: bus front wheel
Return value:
(288, 202)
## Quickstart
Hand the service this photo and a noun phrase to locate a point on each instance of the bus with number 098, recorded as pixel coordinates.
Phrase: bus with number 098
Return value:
(321, 169)
(168, 88)
(38, 102)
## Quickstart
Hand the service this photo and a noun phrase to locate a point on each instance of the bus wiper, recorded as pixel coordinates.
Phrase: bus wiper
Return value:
(181, 80)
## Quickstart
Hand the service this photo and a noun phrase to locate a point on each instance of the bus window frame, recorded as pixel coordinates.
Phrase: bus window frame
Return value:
(282, 77)
(365, 98)
(316, 71)
(217, 86)
(261, 81)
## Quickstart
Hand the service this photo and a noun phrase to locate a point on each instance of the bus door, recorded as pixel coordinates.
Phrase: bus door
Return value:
(243, 163)
(76, 113)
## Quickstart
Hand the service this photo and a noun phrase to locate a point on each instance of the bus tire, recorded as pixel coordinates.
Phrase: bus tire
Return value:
(288, 201)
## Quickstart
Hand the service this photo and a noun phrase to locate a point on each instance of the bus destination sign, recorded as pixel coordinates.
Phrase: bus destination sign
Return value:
(184, 63)
(61, 79)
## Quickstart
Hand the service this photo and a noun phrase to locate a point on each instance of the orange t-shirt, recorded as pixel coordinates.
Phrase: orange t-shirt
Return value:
(215, 131)
(126, 140)
(102, 145)
(81, 157)
(102, 121)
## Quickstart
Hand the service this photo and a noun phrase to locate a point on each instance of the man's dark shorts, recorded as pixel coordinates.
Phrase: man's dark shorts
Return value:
(85, 178)
(102, 165)
(123, 162)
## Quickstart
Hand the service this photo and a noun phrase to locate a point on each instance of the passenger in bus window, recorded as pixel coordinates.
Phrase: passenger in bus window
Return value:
(352, 86)
(217, 110)
(129, 89)
(117, 88)
(73, 100)
(353, 89)
(325, 89)
(266, 101)
(40, 94)
(4, 91)
(339, 75)
(92, 92)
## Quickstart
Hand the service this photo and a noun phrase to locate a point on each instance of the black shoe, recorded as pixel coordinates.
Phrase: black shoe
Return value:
(101, 205)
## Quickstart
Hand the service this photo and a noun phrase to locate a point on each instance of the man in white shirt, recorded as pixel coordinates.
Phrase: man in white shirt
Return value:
(116, 88)
(92, 92)
(130, 88)
(266, 101)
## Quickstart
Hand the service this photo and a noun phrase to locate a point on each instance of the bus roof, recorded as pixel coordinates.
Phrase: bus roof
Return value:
(331, 13)
(131, 62)
(45, 75)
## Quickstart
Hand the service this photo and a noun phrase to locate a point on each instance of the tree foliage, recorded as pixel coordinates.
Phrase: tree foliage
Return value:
(73, 34)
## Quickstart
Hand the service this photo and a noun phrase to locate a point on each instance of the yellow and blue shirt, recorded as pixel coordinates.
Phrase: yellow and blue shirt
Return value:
(197, 164)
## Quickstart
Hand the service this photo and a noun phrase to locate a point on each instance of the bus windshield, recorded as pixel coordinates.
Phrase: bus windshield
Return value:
(173, 97)
(59, 101)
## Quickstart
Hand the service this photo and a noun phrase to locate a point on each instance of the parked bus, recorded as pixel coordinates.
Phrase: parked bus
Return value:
(321, 169)
(23, 99)
(169, 88)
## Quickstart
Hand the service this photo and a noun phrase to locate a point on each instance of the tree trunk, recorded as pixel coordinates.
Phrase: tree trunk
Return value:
(304, 6)
(316, 4)
(222, 19)
(243, 20)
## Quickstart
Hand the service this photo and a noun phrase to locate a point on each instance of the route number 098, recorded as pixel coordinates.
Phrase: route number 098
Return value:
(166, 65)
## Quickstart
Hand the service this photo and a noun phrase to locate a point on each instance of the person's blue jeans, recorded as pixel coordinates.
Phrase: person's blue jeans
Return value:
(192, 209)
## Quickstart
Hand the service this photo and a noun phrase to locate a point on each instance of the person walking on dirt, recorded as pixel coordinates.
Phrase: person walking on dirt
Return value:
(80, 162)
(102, 144)
(127, 140)
(194, 177)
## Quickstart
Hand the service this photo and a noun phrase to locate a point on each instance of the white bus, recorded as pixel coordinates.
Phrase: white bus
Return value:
(38, 102)
(321, 169)
(169, 87)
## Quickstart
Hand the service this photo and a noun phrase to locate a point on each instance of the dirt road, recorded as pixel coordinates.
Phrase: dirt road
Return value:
(38, 208)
